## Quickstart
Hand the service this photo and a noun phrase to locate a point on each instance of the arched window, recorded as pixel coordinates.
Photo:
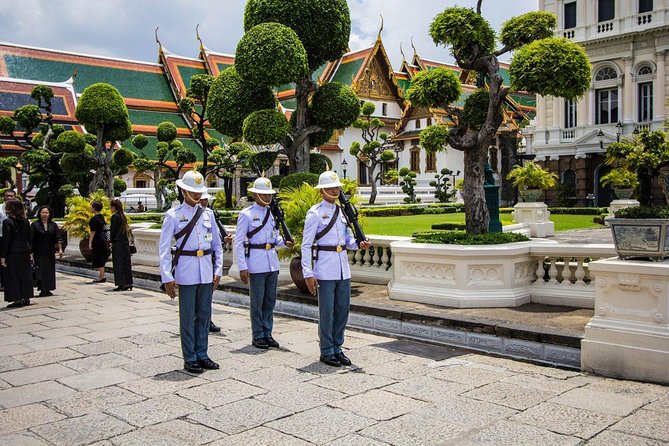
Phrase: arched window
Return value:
(569, 182)
(645, 75)
(605, 74)
(606, 95)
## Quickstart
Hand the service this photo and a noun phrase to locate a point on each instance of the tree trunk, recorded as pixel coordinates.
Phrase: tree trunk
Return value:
(645, 187)
(100, 156)
(370, 172)
(476, 211)
(227, 188)
(157, 188)
(298, 154)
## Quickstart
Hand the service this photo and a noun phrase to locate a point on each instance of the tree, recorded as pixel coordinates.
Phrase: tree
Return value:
(102, 112)
(647, 154)
(226, 160)
(163, 174)
(374, 151)
(284, 42)
(40, 160)
(408, 183)
(443, 189)
(541, 64)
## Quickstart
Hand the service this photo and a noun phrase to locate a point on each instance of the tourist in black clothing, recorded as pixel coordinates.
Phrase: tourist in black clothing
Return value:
(120, 247)
(97, 241)
(15, 256)
(45, 243)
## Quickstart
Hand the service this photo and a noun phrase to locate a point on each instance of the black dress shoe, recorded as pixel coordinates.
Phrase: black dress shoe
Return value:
(331, 360)
(99, 280)
(44, 294)
(343, 359)
(26, 302)
(271, 342)
(193, 367)
(213, 328)
(260, 343)
(48, 293)
(208, 364)
(15, 304)
(127, 288)
(118, 288)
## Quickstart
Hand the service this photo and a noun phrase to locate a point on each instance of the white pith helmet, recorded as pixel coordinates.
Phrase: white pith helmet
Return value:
(262, 185)
(328, 179)
(192, 181)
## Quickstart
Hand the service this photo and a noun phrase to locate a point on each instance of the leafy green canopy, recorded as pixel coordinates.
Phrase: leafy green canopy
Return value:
(166, 132)
(323, 26)
(265, 127)
(527, 28)
(463, 30)
(335, 106)
(101, 104)
(551, 67)
(231, 100)
(475, 110)
(271, 54)
(71, 142)
(434, 88)
(434, 138)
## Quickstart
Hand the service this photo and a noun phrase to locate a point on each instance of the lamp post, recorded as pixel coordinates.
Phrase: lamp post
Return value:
(600, 136)
(454, 176)
(343, 167)
(619, 131)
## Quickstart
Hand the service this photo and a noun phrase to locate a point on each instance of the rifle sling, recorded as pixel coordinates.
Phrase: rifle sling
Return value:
(250, 234)
(187, 231)
(326, 229)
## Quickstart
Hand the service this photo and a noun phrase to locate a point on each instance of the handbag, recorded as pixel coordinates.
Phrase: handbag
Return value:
(131, 243)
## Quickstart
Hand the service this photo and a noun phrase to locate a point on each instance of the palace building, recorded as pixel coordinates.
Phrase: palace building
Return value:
(152, 91)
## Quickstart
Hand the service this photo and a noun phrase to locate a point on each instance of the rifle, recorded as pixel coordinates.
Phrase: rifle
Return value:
(351, 214)
(221, 228)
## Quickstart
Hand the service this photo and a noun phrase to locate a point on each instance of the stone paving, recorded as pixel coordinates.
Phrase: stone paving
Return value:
(90, 366)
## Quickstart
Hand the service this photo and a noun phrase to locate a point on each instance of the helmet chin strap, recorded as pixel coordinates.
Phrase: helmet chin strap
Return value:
(190, 197)
(333, 197)
(259, 198)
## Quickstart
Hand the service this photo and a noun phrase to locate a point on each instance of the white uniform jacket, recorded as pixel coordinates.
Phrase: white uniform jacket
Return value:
(259, 260)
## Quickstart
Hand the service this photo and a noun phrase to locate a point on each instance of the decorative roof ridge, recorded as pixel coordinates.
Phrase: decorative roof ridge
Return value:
(215, 53)
(376, 49)
(83, 55)
(351, 53)
(175, 56)
(63, 84)
(441, 63)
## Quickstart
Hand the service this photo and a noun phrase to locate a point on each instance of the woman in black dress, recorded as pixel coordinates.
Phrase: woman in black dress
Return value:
(45, 243)
(15, 256)
(97, 241)
(120, 247)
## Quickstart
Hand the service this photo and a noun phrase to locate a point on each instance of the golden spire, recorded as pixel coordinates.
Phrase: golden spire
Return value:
(381, 29)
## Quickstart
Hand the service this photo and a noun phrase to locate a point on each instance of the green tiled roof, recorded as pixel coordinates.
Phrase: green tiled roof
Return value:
(130, 83)
(504, 72)
(525, 100)
(188, 72)
(150, 149)
(155, 118)
(223, 66)
(10, 101)
(347, 71)
(404, 84)
(219, 136)
(290, 104)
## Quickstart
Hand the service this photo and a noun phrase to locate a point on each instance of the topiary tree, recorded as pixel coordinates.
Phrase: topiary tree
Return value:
(102, 112)
(541, 64)
(408, 184)
(373, 152)
(284, 42)
(225, 162)
(319, 163)
(41, 157)
(442, 186)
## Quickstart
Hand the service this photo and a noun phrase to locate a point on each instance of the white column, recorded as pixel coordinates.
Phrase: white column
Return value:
(541, 112)
(582, 111)
(659, 92)
(628, 92)
(592, 107)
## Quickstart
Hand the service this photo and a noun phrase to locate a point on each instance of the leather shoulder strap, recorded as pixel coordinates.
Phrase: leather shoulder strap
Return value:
(187, 231)
(259, 228)
(332, 222)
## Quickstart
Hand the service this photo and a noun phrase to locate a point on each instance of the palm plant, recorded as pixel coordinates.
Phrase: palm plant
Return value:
(620, 178)
(532, 176)
(79, 213)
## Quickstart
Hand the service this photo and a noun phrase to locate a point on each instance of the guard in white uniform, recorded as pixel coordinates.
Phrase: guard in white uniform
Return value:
(325, 239)
(256, 240)
(196, 275)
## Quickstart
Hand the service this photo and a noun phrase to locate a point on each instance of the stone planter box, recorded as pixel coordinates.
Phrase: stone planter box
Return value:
(537, 218)
(462, 276)
(640, 237)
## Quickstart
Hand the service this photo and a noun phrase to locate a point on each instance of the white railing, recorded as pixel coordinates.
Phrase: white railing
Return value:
(374, 265)
(394, 195)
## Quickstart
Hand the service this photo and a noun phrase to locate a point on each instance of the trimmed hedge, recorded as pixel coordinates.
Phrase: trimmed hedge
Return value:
(155, 218)
(398, 211)
(450, 226)
(565, 211)
(643, 212)
(462, 238)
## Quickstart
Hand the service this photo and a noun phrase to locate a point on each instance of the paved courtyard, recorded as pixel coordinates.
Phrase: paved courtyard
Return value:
(90, 366)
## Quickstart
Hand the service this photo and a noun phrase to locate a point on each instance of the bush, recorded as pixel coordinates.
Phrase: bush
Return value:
(265, 127)
(643, 212)
(577, 211)
(276, 180)
(450, 226)
(318, 163)
(295, 180)
(398, 211)
(154, 218)
(462, 238)
(335, 106)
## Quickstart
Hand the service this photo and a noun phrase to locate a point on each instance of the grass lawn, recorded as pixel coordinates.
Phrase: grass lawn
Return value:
(405, 226)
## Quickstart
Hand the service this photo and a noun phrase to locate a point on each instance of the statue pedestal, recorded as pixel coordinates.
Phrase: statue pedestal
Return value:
(621, 204)
(537, 216)
(629, 335)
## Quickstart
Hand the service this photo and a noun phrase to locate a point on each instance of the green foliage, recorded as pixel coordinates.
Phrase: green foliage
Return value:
(140, 141)
(271, 54)
(319, 138)
(119, 187)
(449, 226)
(564, 194)
(463, 30)
(460, 184)
(323, 26)
(166, 132)
(620, 178)
(66, 190)
(434, 138)
(42, 94)
(368, 108)
(527, 28)
(575, 211)
(462, 238)
(118, 131)
(101, 104)
(643, 212)
(276, 181)
(434, 88)
(123, 157)
(28, 117)
(391, 176)
(71, 142)
(349, 186)
(551, 67)
(408, 185)
(442, 185)
(649, 150)
(476, 110)
(74, 163)
(335, 106)
(296, 201)
(262, 160)
(319, 163)
(79, 213)
(265, 127)
(295, 180)
(199, 86)
(412, 209)
(7, 125)
(231, 100)
(531, 176)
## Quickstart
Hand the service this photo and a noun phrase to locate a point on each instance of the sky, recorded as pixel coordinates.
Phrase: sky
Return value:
(125, 28)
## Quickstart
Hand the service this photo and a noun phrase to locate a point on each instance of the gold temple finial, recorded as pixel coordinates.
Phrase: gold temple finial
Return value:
(157, 39)
(381, 29)
(197, 34)
(414, 48)
(404, 58)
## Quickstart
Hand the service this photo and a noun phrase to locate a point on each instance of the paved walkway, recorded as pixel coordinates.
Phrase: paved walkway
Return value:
(89, 366)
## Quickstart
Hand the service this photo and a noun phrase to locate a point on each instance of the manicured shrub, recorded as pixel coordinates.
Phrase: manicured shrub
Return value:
(462, 238)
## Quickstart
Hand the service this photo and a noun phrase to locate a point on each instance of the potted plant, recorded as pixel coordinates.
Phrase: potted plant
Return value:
(531, 179)
(641, 232)
(623, 182)
(79, 213)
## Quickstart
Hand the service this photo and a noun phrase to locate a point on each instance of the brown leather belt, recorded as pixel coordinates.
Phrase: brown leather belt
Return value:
(336, 248)
(198, 253)
(266, 246)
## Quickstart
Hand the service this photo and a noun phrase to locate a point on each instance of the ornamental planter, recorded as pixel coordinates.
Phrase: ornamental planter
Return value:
(623, 194)
(530, 195)
(640, 237)
(297, 276)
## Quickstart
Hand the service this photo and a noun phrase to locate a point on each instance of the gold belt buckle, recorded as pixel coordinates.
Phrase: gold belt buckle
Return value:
(338, 248)
(268, 246)
(200, 252)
